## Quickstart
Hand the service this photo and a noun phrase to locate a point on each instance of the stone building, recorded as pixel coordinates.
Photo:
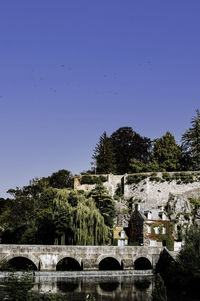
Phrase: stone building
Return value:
(150, 228)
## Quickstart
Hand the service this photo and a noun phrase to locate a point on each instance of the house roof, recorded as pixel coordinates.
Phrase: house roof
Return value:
(117, 232)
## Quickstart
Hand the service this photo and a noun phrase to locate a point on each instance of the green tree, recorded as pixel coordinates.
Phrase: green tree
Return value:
(190, 252)
(127, 144)
(61, 179)
(104, 155)
(165, 154)
(104, 203)
(191, 143)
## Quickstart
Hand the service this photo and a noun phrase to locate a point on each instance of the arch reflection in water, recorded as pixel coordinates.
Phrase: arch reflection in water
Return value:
(67, 286)
(142, 263)
(109, 286)
(109, 263)
(142, 284)
(21, 264)
(68, 264)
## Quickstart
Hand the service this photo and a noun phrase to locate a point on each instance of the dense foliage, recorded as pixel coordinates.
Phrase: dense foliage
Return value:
(41, 214)
(190, 253)
(128, 144)
(166, 153)
(104, 155)
(183, 274)
(104, 203)
(126, 151)
(191, 144)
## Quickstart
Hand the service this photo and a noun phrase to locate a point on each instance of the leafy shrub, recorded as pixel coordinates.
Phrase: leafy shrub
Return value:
(88, 179)
(135, 179)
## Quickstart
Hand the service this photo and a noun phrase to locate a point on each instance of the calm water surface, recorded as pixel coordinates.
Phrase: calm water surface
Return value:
(136, 288)
(103, 288)
(107, 287)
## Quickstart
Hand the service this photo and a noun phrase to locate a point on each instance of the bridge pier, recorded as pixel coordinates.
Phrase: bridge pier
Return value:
(127, 264)
(155, 258)
(47, 262)
(90, 265)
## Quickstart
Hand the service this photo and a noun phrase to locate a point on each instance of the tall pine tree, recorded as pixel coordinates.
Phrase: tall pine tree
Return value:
(191, 143)
(104, 155)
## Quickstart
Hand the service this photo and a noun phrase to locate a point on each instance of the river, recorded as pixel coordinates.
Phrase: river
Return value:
(103, 285)
(107, 285)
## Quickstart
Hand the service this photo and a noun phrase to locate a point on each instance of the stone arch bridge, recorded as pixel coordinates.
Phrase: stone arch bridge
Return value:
(46, 257)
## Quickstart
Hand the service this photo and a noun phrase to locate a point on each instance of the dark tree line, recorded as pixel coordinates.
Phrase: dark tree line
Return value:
(183, 274)
(126, 151)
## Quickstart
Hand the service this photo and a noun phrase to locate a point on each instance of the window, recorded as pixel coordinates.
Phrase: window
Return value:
(156, 230)
(149, 215)
(153, 243)
(122, 234)
(163, 230)
(148, 229)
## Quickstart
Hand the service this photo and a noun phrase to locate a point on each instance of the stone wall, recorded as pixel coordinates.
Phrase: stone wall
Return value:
(148, 192)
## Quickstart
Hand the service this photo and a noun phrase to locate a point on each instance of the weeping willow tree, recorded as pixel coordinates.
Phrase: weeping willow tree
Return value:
(77, 220)
(89, 227)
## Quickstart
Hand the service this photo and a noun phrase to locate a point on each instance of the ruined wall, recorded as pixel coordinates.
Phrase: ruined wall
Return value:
(110, 184)
(150, 189)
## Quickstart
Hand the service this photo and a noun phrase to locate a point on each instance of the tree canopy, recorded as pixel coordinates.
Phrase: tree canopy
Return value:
(126, 151)
(166, 153)
(61, 179)
(191, 143)
(104, 203)
(104, 155)
(113, 154)
(41, 214)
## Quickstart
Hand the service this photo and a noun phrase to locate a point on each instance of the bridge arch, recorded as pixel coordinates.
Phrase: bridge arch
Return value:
(143, 263)
(101, 257)
(109, 263)
(68, 263)
(28, 257)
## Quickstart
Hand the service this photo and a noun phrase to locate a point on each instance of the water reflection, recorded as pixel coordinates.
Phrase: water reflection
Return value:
(118, 288)
(66, 286)
(142, 284)
(111, 288)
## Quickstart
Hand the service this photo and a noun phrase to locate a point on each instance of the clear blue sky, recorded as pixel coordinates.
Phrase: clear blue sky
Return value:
(70, 69)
